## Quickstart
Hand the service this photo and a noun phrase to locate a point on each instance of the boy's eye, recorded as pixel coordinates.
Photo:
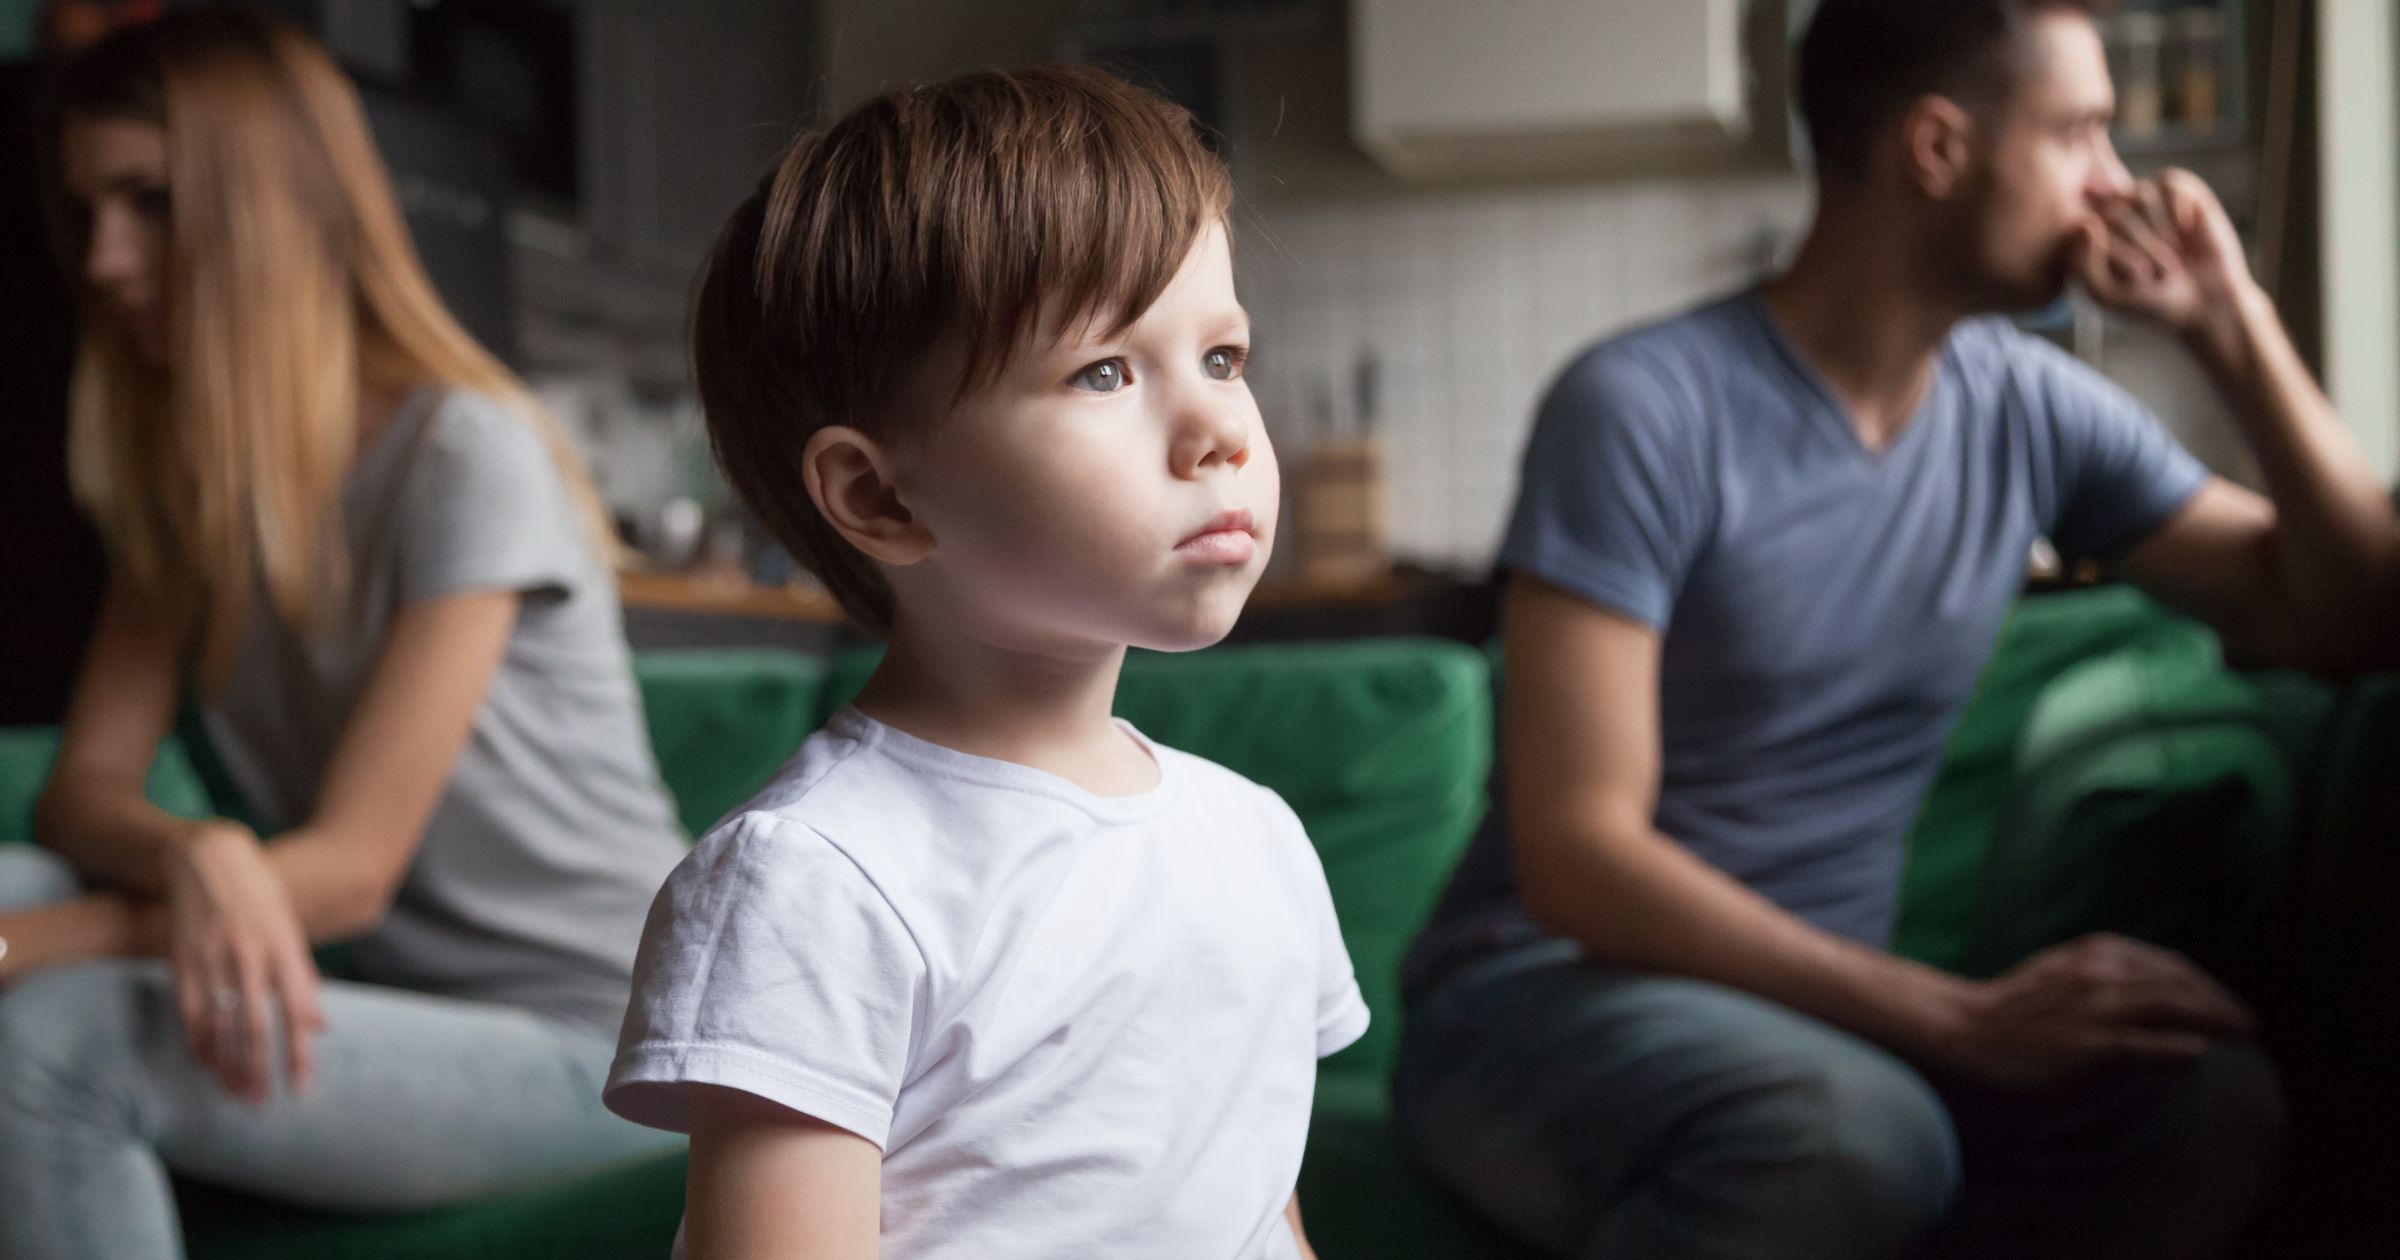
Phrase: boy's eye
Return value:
(1224, 363)
(1105, 377)
(154, 202)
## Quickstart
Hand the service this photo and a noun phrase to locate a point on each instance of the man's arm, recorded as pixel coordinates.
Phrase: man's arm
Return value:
(768, 1181)
(1581, 737)
(2309, 575)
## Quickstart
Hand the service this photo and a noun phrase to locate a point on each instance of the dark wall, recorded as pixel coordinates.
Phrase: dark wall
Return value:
(453, 184)
(50, 562)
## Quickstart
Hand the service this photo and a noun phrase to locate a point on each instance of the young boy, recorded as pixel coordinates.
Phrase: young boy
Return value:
(983, 973)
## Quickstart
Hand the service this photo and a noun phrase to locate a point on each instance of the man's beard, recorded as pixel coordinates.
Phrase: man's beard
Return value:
(1988, 289)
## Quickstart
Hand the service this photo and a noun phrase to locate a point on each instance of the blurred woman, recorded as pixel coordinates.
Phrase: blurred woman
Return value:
(349, 530)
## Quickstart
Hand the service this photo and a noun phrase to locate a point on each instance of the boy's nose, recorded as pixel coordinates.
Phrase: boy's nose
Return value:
(1210, 432)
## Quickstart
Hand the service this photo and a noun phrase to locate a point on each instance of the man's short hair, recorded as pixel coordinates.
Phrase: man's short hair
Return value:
(967, 209)
(1864, 62)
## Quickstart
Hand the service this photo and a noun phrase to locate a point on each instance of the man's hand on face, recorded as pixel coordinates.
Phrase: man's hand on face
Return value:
(2166, 251)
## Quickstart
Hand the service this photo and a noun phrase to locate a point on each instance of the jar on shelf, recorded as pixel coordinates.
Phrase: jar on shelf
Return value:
(2197, 48)
(2140, 39)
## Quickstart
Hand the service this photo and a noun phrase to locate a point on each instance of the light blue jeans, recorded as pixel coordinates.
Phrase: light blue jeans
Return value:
(418, 1101)
(1607, 1115)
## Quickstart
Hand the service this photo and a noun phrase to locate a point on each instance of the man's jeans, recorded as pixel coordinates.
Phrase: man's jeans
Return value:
(1607, 1115)
(418, 1101)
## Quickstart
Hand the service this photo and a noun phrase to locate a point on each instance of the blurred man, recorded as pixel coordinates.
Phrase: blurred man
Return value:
(1760, 555)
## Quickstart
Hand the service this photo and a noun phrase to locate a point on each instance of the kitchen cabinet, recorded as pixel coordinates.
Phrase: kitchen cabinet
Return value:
(1539, 87)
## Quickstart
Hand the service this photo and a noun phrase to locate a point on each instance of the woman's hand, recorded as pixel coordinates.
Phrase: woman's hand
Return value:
(96, 925)
(241, 962)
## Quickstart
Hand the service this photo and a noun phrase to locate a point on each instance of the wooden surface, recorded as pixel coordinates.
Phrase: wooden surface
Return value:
(733, 597)
(724, 597)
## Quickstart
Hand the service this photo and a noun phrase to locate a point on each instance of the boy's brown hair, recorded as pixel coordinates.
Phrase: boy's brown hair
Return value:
(966, 209)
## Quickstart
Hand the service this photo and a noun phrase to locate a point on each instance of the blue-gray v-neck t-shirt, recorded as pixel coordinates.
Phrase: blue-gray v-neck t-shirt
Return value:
(1824, 608)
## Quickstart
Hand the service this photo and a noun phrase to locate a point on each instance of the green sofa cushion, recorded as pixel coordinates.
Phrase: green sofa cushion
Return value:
(2110, 774)
(25, 756)
(2339, 946)
(627, 1210)
(721, 721)
(2155, 800)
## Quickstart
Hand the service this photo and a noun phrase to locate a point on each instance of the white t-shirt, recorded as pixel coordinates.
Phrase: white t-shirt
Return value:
(1076, 1025)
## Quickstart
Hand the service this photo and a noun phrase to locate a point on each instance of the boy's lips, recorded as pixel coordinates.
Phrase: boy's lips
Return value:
(1227, 538)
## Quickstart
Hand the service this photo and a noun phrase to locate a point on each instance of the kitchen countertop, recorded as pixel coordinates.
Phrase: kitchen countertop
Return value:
(723, 596)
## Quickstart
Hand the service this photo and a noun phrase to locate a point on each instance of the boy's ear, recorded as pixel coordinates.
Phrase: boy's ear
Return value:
(848, 476)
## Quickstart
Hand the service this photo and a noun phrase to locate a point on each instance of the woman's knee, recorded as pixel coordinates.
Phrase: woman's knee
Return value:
(72, 1039)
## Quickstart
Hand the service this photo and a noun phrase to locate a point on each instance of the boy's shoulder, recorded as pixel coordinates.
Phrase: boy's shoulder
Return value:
(825, 768)
(1210, 776)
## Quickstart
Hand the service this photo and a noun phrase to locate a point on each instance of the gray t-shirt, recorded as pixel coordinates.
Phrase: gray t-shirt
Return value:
(1825, 610)
(538, 864)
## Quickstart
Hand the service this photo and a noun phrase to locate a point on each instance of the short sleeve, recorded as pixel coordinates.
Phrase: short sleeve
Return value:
(1341, 1010)
(1342, 1014)
(484, 509)
(1610, 500)
(2120, 474)
(771, 965)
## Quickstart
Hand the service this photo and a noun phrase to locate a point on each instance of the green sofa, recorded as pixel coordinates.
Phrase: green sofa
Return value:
(2104, 732)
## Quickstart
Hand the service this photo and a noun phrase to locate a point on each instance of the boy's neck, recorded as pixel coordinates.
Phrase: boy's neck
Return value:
(1047, 711)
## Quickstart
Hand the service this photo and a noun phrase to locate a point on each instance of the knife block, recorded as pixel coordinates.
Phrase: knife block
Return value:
(1339, 514)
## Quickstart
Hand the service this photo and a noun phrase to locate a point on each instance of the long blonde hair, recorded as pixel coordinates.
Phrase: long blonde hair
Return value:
(293, 288)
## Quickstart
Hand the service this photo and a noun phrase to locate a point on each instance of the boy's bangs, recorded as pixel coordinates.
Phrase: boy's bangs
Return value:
(1083, 220)
(985, 208)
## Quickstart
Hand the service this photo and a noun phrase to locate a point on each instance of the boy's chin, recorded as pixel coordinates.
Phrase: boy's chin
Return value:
(1204, 628)
(1187, 639)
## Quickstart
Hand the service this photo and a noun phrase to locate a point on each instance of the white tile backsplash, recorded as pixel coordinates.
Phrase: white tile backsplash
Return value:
(1471, 302)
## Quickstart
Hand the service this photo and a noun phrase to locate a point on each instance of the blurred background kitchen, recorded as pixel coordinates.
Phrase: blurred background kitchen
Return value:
(1438, 203)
